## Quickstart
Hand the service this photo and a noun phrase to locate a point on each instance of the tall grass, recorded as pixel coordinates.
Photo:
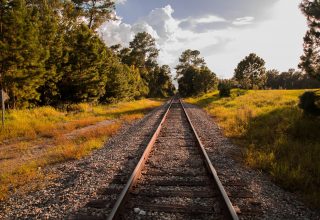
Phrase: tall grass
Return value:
(48, 122)
(277, 137)
(48, 127)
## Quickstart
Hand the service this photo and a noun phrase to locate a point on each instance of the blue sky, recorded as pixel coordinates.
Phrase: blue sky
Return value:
(224, 31)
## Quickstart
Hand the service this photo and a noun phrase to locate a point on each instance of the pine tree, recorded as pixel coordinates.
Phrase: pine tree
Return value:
(84, 77)
(194, 77)
(250, 72)
(310, 61)
(161, 83)
(144, 52)
(22, 60)
(96, 11)
(189, 58)
(52, 39)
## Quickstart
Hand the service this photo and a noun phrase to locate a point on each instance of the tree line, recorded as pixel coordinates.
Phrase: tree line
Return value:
(251, 73)
(52, 54)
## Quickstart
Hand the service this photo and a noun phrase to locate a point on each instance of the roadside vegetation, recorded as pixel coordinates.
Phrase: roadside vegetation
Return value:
(36, 138)
(276, 135)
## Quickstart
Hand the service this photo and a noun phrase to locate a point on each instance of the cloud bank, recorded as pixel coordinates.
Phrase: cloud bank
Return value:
(222, 42)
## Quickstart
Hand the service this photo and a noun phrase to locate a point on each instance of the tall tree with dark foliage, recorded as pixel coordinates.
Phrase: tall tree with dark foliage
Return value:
(310, 60)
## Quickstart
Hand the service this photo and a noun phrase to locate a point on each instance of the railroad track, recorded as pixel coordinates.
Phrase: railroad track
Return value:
(174, 178)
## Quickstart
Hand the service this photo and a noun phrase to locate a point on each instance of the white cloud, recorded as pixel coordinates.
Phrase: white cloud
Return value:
(276, 40)
(120, 1)
(116, 32)
(210, 19)
(243, 21)
(160, 23)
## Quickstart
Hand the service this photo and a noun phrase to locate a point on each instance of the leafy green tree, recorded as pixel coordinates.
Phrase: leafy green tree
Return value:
(291, 79)
(85, 75)
(310, 61)
(251, 72)
(194, 77)
(52, 40)
(189, 58)
(144, 52)
(95, 11)
(161, 84)
(124, 83)
(22, 57)
(205, 81)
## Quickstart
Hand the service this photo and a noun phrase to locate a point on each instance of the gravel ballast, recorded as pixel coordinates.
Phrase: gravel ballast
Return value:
(77, 193)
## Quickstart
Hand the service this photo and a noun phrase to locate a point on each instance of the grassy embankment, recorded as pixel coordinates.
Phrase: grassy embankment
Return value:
(275, 134)
(33, 139)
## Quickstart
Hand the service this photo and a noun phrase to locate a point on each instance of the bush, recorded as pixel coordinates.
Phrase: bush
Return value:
(225, 87)
(309, 102)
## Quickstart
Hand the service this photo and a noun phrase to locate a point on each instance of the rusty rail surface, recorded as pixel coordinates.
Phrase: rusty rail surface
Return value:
(212, 171)
(117, 208)
(137, 171)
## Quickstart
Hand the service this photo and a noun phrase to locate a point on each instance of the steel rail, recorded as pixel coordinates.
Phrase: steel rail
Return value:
(232, 213)
(137, 171)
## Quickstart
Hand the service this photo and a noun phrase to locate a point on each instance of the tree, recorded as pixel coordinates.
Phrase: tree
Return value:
(95, 11)
(194, 77)
(52, 39)
(124, 83)
(22, 58)
(144, 52)
(310, 61)
(205, 80)
(250, 72)
(85, 74)
(160, 83)
(291, 79)
(189, 58)
(272, 81)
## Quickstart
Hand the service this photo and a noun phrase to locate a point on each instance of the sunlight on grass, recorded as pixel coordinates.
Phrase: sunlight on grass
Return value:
(276, 135)
(49, 122)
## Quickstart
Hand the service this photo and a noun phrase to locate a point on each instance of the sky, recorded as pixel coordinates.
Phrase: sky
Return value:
(224, 31)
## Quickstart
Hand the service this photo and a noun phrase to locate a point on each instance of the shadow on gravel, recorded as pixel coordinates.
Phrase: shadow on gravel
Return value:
(101, 206)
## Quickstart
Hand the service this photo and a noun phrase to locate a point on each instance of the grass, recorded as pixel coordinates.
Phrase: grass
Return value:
(47, 121)
(37, 138)
(275, 134)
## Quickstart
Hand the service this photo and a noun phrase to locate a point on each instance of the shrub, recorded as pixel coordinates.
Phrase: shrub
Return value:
(309, 102)
(225, 87)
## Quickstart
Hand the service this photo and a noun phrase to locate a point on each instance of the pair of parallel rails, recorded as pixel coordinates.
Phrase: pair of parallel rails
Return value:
(169, 170)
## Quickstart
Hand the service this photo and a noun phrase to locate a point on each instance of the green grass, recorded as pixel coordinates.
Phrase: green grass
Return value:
(21, 170)
(275, 134)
